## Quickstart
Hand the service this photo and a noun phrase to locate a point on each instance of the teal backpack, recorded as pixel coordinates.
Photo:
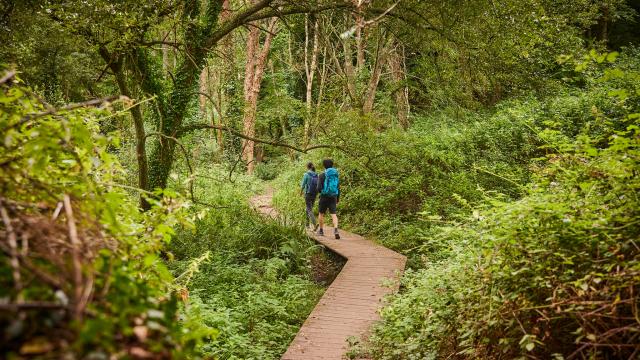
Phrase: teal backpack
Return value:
(330, 187)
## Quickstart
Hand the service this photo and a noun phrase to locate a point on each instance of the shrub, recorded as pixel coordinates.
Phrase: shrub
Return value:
(391, 179)
(267, 170)
(80, 271)
(551, 275)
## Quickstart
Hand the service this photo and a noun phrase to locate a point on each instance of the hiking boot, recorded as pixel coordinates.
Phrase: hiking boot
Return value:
(321, 232)
(335, 232)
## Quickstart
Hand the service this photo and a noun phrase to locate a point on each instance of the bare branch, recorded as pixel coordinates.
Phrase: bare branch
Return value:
(194, 127)
(32, 305)
(52, 110)
(27, 264)
(384, 13)
(239, 19)
(8, 76)
(298, 9)
(13, 250)
(75, 257)
(174, 45)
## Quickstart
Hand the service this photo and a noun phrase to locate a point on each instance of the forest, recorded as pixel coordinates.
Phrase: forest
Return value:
(493, 143)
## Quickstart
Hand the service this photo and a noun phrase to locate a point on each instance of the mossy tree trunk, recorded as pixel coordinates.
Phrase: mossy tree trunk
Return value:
(173, 102)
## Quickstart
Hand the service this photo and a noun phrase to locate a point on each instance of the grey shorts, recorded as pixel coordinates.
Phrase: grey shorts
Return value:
(327, 203)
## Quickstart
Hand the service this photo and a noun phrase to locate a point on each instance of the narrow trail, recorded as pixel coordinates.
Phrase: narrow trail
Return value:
(349, 307)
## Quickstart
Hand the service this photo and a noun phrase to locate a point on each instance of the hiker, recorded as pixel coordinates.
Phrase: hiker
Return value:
(329, 189)
(309, 189)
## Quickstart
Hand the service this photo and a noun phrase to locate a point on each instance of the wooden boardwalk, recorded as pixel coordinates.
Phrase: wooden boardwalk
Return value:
(349, 307)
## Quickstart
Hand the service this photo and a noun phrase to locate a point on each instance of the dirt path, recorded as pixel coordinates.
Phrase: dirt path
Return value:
(350, 305)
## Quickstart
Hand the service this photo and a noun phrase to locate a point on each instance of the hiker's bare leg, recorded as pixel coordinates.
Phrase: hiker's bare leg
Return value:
(321, 220)
(334, 218)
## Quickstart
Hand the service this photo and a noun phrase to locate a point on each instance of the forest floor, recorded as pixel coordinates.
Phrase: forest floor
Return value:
(350, 305)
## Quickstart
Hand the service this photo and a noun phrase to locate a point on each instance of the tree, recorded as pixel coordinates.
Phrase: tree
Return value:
(399, 81)
(133, 60)
(254, 71)
(310, 65)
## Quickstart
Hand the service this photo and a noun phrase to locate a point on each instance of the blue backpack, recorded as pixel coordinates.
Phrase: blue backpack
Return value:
(313, 184)
(330, 187)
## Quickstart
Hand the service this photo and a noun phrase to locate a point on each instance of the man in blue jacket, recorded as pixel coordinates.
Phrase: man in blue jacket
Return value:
(329, 189)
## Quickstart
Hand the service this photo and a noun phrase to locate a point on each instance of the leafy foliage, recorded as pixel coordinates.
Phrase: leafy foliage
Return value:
(396, 183)
(87, 268)
(553, 274)
(507, 177)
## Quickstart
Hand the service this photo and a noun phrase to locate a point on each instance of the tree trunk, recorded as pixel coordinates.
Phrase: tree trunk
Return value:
(323, 76)
(204, 91)
(165, 52)
(372, 87)
(185, 85)
(259, 153)
(310, 66)
(138, 122)
(350, 74)
(162, 155)
(216, 107)
(604, 24)
(360, 41)
(248, 116)
(225, 74)
(396, 62)
(254, 70)
(220, 112)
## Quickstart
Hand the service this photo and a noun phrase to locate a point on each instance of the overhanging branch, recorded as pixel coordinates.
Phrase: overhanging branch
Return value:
(51, 110)
(236, 21)
(265, 9)
(193, 127)
(298, 9)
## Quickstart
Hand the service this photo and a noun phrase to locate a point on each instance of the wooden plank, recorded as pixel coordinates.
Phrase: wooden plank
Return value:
(349, 307)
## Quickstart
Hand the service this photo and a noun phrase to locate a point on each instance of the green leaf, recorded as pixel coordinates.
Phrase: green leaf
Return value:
(149, 259)
(612, 56)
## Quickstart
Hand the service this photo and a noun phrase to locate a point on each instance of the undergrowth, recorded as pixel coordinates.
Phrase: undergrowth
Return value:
(248, 277)
(520, 222)
(554, 274)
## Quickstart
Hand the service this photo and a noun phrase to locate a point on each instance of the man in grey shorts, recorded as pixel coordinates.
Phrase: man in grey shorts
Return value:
(329, 189)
